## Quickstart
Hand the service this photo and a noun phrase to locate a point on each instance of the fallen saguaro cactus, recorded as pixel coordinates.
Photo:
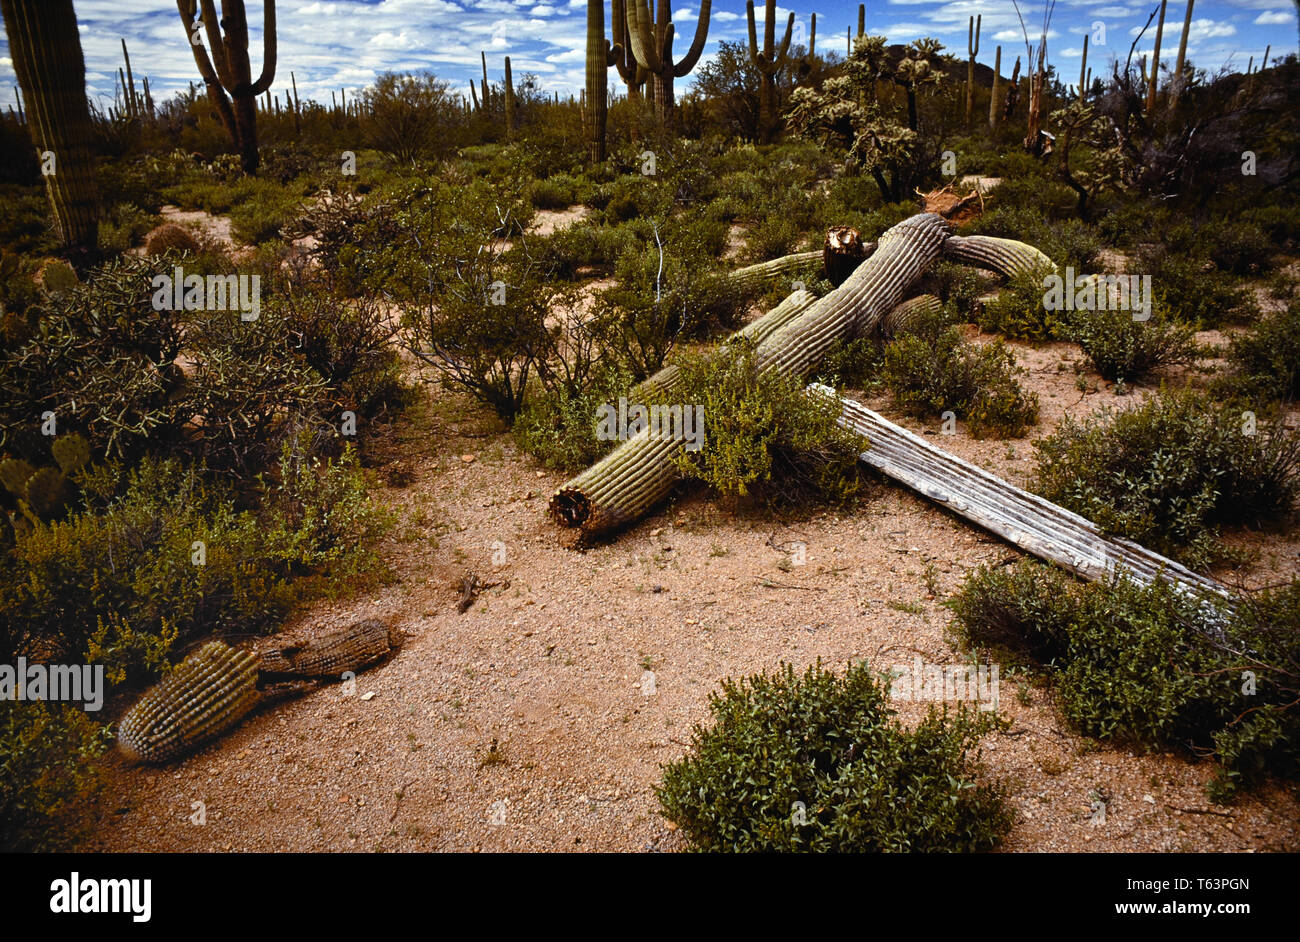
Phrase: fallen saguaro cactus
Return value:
(217, 686)
(1006, 257)
(784, 267)
(756, 331)
(639, 473)
(206, 695)
(909, 312)
(1028, 521)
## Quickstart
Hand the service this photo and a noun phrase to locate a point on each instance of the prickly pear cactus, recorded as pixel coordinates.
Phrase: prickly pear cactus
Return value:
(207, 694)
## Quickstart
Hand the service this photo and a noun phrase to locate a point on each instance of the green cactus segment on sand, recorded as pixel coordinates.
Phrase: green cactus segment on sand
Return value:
(204, 696)
(769, 60)
(45, 47)
(228, 71)
(652, 44)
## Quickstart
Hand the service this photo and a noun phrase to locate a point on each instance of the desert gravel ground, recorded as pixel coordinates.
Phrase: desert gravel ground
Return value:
(538, 720)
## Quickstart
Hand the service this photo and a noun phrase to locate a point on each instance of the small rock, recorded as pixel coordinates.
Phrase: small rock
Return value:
(541, 474)
(368, 696)
(1149, 799)
(468, 459)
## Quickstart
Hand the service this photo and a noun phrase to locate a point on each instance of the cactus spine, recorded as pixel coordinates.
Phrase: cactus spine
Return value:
(231, 74)
(652, 44)
(206, 695)
(46, 50)
(768, 62)
(973, 46)
(993, 93)
(1155, 60)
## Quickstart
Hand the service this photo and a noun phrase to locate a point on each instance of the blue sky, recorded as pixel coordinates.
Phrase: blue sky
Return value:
(334, 43)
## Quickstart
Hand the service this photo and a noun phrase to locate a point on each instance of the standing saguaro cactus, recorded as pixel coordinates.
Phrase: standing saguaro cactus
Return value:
(652, 44)
(46, 51)
(630, 70)
(232, 73)
(1083, 70)
(510, 102)
(973, 46)
(1155, 60)
(993, 92)
(600, 56)
(768, 62)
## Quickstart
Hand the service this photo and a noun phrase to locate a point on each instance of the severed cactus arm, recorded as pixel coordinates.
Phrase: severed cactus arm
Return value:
(1006, 257)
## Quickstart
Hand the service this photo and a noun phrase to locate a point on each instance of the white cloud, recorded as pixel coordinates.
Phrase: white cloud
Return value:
(1274, 18)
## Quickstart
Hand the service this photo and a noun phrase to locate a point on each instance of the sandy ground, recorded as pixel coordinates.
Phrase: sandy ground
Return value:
(538, 720)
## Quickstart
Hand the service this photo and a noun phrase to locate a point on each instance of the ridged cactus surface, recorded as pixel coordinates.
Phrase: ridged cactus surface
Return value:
(204, 696)
(769, 60)
(348, 649)
(1006, 257)
(45, 47)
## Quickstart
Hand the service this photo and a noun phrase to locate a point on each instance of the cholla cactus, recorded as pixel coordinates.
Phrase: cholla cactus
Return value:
(207, 694)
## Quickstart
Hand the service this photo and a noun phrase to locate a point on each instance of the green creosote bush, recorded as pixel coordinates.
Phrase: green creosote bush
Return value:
(816, 763)
(1121, 348)
(1018, 312)
(1192, 289)
(125, 225)
(558, 425)
(1168, 472)
(1139, 664)
(764, 435)
(116, 580)
(47, 752)
(932, 370)
(1266, 359)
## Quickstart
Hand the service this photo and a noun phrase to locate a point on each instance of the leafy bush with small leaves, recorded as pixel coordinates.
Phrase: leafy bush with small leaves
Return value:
(816, 763)
(764, 433)
(1153, 666)
(47, 753)
(1266, 359)
(558, 425)
(117, 581)
(1018, 311)
(931, 370)
(1192, 289)
(1122, 348)
(126, 225)
(1168, 472)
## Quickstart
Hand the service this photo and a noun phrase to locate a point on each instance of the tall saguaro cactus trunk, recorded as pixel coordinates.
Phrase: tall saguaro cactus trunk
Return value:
(993, 92)
(510, 102)
(600, 56)
(769, 62)
(1180, 80)
(973, 46)
(46, 51)
(1155, 60)
(228, 71)
(652, 44)
(630, 70)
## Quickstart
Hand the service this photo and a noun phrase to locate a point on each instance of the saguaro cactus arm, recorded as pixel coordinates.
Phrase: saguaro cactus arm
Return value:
(763, 58)
(657, 56)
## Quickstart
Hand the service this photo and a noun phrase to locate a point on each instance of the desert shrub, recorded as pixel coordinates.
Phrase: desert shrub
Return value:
(1153, 666)
(24, 220)
(931, 370)
(117, 580)
(582, 246)
(1192, 289)
(1167, 472)
(47, 753)
(1069, 242)
(125, 225)
(1266, 359)
(816, 763)
(773, 236)
(1241, 248)
(1280, 223)
(763, 432)
(262, 213)
(1121, 348)
(1018, 311)
(853, 362)
(558, 424)
(409, 117)
(958, 285)
(558, 192)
